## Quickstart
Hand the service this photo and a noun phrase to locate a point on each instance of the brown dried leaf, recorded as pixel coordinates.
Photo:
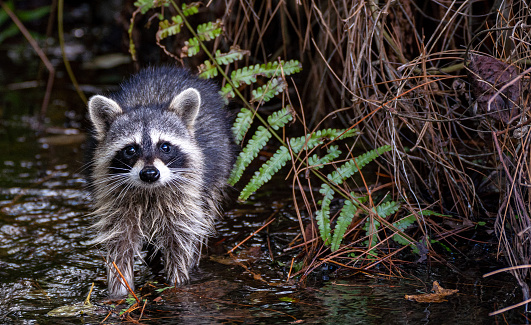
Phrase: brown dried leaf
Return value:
(437, 296)
(487, 76)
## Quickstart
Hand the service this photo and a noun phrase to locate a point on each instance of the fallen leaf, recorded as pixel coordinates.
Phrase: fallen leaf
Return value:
(437, 296)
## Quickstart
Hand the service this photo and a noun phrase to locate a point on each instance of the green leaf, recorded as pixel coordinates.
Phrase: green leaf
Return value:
(343, 221)
(386, 209)
(402, 225)
(317, 162)
(167, 28)
(146, 5)
(251, 150)
(279, 118)
(316, 138)
(242, 124)
(371, 230)
(207, 70)
(266, 92)
(323, 215)
(264, 174)
(350, 167)
(205, 32)
(191, 8)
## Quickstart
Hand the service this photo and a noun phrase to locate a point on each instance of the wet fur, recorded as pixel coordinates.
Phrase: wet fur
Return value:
(175, 217)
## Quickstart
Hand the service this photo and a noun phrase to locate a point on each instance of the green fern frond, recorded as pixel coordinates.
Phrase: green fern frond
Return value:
(251, 150)
(276, 120)
(264, 174)
(371, 227)
(191, 47)
(167, 29)
(191, 8)
(323, 215)
(350, 167)
(343, 221)
(242, 124)
(291, 67)
(207, 70)
(248, 74)
(317, 162)
(227, 91)
(318, 137)
(235, 54)
(386, 209)
(279, 118)
(209, 31)
(205, 32)
(402, 225)
(146, 5)
(266, 92)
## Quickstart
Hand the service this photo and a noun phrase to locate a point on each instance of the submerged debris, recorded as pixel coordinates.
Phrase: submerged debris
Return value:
(438, 295)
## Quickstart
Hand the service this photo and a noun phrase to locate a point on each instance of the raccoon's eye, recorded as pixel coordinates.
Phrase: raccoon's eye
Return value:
(165, 147)
(129, 151)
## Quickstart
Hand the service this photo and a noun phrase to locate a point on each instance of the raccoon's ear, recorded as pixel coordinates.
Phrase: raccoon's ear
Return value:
(102, 112)
(186, 105)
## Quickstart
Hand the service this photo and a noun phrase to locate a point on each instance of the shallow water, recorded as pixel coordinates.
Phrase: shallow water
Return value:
(45, 261)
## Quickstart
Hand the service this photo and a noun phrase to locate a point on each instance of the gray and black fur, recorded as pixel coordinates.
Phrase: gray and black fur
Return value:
(163, 152)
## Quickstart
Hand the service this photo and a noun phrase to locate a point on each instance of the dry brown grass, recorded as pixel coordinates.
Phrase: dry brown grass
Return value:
(397, 69)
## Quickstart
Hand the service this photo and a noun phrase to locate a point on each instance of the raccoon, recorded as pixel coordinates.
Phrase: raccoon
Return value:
(162, 153)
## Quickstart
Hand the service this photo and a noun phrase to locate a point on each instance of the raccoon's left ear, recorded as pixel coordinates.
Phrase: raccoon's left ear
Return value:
(102, 112)
(186, 105)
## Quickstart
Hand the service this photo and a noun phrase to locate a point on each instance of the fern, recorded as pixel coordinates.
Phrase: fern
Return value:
(317, 137)
(264, 174)
(323, 215)
(248, 75)
(191, 8)
(205, 32)
(280, 118)
(344, 220)
(317, 162)
(338, 177)
(372, 224)
(266, 92)
(146, 5)
(349, 168)
(242, 124)
(167, 29)
(401, 225)
(282, 156)
(207, 70)
(255, 144)
(259, 140)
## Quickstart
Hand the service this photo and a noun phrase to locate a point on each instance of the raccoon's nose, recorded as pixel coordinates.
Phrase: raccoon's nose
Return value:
(149, 174)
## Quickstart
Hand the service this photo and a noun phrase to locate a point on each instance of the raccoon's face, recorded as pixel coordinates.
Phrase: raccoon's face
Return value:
(145, 148)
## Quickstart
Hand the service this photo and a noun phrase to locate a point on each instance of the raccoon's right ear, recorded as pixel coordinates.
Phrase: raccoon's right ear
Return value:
(186, 105)
(102, 112)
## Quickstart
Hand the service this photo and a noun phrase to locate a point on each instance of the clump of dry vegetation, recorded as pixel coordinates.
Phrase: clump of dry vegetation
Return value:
(445, 83)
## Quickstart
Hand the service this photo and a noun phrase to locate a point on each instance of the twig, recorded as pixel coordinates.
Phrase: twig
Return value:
(251, 235)
(125, 282)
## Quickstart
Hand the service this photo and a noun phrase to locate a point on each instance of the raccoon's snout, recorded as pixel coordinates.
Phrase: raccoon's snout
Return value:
(149, 174)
